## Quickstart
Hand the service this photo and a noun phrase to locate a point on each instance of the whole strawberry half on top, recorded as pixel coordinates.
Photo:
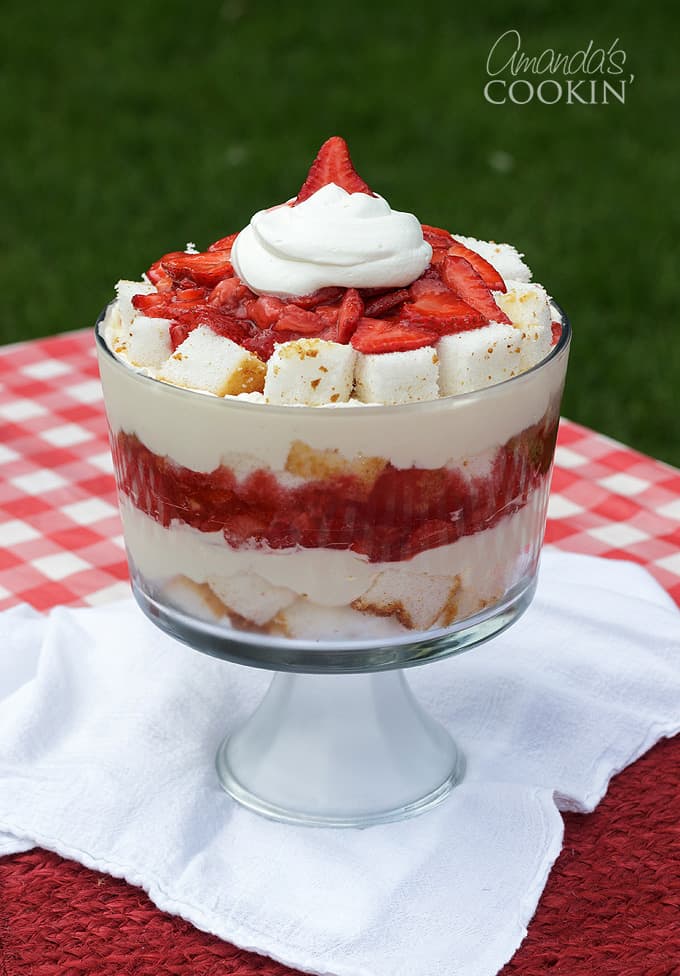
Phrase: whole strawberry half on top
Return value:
(333, 164)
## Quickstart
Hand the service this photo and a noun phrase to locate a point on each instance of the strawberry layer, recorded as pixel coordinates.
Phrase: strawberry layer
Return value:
(404, 512)
(452, 294)
(323, 593)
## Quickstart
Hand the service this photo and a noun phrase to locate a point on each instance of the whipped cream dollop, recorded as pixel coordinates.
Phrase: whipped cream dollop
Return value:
(351, 240)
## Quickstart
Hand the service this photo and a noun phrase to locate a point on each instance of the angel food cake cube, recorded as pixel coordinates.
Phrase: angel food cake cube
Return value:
(416, 600)
(397, 377)
(528, 308)
(311, 372)
(126, 290)
(478, 358)
(195, 599)
(252, 597)
(147, 343)
(212, 363)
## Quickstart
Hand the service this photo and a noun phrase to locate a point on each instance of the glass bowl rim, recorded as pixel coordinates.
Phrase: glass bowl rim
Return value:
(452, 399)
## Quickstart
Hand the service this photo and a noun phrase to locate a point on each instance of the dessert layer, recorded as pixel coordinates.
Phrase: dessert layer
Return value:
(334, 297)
(400, 360)
(367, 505)
(316, 593)
(196, 430)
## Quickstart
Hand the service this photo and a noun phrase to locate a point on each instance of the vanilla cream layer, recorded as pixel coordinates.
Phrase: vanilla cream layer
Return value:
(201, 432)
(488, 562)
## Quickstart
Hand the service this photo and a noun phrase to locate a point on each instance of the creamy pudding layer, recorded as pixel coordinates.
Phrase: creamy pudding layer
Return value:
(202, 431)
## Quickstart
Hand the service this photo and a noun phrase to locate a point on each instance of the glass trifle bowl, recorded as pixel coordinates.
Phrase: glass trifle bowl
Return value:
(335, 547)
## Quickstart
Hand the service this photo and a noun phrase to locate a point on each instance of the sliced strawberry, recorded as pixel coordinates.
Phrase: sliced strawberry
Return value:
(465, 282)
(372, 292)
(556, 332)
(389, 335)
(243, 526)
(219, 321)
(203, 269)
(429, 285)
(333, 164)
(486, 271)
(158, 277)
(443, 311)
(155, 305)
(351, 310)
(437, 236)
(430, 535)
(265, 310)
(294, 319)
(224, 244)
(322, 296)
(179, 332)
(327, 316)
(166, 304)
(188, 295)
(229, 292)
(228, 327)
(438, 258)
(186, 317)
(262, 343)
(378, 306)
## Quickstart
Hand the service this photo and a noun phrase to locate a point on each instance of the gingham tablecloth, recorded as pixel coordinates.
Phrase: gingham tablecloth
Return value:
(60, 535)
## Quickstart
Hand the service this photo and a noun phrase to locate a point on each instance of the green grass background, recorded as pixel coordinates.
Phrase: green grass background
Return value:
(128, 129)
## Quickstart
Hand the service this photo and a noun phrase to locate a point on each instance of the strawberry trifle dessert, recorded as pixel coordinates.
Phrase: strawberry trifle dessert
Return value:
(335, 427)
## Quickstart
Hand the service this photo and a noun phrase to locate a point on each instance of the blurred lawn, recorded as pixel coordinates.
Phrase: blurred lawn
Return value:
(129, 129)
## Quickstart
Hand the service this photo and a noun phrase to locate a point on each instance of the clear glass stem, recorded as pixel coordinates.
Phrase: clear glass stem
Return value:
(339, 750)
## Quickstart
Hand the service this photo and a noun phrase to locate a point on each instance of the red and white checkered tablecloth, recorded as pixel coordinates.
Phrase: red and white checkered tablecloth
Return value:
(60, 536)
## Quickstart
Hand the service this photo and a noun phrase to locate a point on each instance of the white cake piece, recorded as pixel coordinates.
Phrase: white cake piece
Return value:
(477, 358)
(195, 599)
(252, 597)
(304, 620)
(481, 590)
(310, 371)
(528, 308)
(319, 464)
(147, 343)
(525, 303)
(126, 290)
(416, 600)
(536, 345)
(212, 363)
(504, 257)
(397, 377)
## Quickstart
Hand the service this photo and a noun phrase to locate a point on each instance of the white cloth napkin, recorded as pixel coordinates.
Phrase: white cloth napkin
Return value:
(108, 731)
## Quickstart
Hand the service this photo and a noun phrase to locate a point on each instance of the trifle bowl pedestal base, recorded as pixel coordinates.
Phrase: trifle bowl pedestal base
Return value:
(339, 739)
(344, 750)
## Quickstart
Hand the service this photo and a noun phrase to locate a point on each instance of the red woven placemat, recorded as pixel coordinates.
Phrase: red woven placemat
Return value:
(611, 906)
(612, 903)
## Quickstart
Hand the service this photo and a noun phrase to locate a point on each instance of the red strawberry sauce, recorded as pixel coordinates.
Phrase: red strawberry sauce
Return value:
(404, 512)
